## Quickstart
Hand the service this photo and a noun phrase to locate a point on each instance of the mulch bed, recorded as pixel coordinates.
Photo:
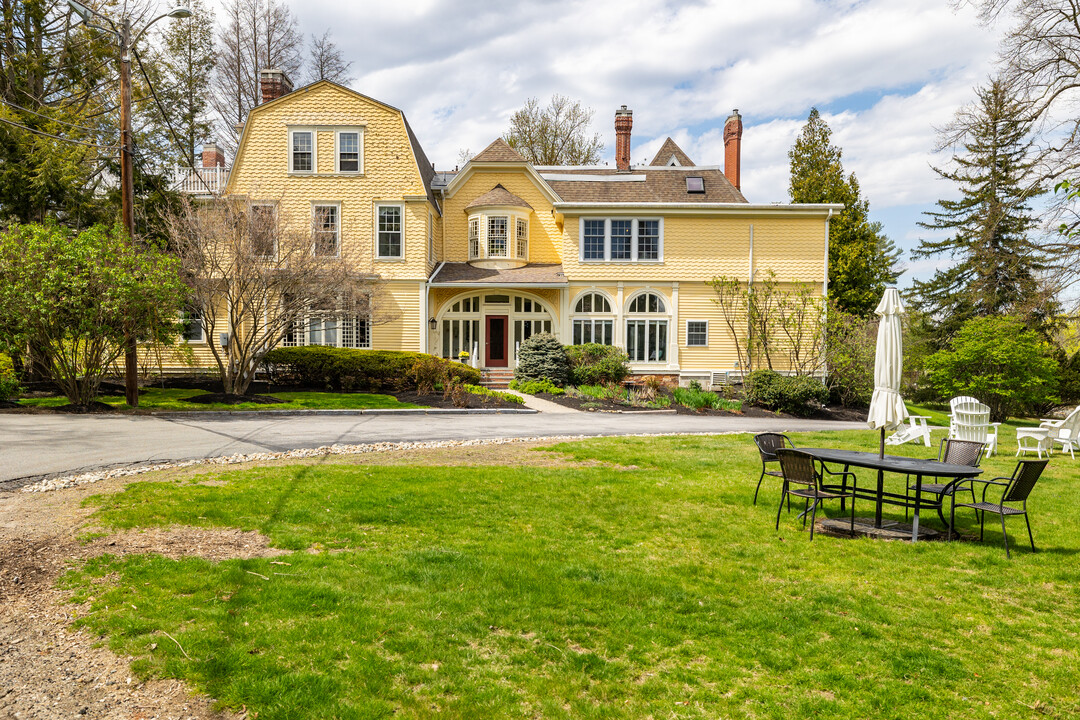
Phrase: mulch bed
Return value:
(230, 399)
(436, 400)
(588, 404)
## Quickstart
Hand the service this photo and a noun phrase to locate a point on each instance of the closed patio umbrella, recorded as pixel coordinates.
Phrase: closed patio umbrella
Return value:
(887, 411)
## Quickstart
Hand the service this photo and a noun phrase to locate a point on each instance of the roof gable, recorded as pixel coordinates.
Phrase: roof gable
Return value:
(671, 154)
(498, 195)
(498, 151)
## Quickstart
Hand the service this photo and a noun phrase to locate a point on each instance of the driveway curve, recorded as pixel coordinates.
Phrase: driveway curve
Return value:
(33, 446)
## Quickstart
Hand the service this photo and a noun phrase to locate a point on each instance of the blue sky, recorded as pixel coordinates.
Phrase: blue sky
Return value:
(884, 74)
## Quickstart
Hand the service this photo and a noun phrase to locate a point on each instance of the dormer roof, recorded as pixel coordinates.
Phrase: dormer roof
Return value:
(500, 196)
(671, 154)
(498, 151)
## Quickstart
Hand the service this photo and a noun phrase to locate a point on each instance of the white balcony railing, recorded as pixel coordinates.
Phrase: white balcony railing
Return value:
(201, 181)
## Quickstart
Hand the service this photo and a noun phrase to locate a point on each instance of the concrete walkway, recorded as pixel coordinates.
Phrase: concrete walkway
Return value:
(37, 445)
(540, 404)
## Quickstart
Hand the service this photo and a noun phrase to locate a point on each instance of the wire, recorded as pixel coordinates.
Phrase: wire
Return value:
(13, 106)
(176, 138)
(57, 137)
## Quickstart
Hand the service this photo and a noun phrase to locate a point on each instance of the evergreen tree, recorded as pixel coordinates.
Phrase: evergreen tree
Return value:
(994, 266)
(186, 60)
(862, 260)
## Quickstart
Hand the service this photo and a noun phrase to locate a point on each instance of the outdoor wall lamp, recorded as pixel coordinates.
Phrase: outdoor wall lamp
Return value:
(432, 324)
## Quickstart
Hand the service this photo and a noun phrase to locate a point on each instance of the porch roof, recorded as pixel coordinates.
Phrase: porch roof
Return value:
(462, 274)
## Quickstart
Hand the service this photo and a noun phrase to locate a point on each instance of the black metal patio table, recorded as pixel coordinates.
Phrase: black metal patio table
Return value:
(894, 463)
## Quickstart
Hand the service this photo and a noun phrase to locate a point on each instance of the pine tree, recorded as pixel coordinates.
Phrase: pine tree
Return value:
(862, 260)
(994, 265)
(187, 63)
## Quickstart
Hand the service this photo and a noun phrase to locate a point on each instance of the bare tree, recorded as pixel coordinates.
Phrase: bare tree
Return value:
(254, 281)
(256, 35)
(325, 61)
(554, 135)
(731, 299)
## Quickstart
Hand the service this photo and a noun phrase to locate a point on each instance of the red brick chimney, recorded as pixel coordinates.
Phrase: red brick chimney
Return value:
(624, 120)
(733, 147)
(274, 83)
(212, 155)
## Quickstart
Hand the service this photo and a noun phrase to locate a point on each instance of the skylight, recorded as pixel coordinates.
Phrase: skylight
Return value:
(695, 185)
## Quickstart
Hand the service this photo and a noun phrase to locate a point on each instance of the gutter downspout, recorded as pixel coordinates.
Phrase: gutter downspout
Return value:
(749, 293)
(825, 298)
(429, 310)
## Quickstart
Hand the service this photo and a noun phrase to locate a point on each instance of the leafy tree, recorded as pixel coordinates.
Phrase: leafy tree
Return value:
(74, 296)
(186, 60)
(850, 347)
(325, 61)
(862, 260)
(554, 135)
(1001, 362)
(994, 266)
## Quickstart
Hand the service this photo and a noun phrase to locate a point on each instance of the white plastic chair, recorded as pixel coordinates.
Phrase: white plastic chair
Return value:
(913, 431)
(1049, 433)
(971, 421)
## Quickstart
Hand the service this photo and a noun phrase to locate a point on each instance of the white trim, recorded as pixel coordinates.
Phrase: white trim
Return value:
(514, 286)
(431, 235)
(706, 333)
(401, 209)
(326, 203)
(472, 167)
(425, 331)
(292, 130)
(606, 209)
(593, 178)
(359, 131)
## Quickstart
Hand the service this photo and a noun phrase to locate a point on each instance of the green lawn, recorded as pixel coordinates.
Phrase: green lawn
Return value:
(650, 590)
(173, 399)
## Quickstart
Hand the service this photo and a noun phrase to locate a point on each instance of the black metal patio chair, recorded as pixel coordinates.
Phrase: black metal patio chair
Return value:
(954, 452)
(1017, 489)
(800, 470)
(767, 445)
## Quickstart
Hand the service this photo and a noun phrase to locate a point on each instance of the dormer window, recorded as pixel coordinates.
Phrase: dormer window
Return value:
(498, 229)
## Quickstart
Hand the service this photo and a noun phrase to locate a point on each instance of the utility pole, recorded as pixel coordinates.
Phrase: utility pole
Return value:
(127, 176)
(127, 200)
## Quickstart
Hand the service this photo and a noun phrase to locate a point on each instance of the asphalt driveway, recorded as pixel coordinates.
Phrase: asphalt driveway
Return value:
(39, 445)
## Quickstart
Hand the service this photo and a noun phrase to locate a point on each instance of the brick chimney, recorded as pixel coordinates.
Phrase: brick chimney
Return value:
(733, 147)
(624, 120)
(212, 155)
(274, 83)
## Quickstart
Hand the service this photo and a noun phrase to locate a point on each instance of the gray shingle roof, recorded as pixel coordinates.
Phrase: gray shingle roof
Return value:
(534, 273)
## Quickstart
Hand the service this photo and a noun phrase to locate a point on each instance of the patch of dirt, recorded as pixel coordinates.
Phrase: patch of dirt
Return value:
(94, 407)
(231, 399)
(8, 404)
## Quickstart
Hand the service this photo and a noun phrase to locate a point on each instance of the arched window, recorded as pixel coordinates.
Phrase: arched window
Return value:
(647, 336)
(594, 328)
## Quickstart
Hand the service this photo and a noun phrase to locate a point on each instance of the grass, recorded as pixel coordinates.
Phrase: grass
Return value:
(173, 399)
(651, 588)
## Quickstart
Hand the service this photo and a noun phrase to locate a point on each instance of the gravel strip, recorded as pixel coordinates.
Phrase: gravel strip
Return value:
(70, 481)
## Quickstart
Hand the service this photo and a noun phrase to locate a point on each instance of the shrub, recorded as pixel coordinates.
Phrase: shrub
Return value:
(696, 398)
(9, 381)
(850, 345)
(542, 356)
(595, 364)
(534, 387)
(798, 395)
(999, 361)
(347, 370)
(484, 392)
(427, 372)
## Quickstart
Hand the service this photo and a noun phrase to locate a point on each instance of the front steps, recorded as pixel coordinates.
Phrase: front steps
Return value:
(496, 378)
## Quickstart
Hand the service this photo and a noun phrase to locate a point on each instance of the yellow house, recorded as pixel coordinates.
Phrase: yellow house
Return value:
(472, 262)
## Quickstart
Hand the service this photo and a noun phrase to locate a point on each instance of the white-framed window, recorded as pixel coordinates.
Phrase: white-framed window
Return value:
(349, 155)
(697, 333)
(594, 327)
(302, 150)
(431, 235)
(326, 228)
(264, 236)
(522, 239)
(474, 238)
(621, 240)
(192, 321)
(647, 328)
(332, 329)
(389, 232)
(497, 236)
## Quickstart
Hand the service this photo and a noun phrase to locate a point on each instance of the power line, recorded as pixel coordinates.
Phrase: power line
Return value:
(57, 137)
(164, 116)
(13, 106)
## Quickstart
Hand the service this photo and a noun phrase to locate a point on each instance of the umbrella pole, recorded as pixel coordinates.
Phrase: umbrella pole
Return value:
(880, 482)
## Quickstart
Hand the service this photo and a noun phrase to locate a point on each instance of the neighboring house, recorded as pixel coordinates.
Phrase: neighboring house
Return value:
(477, 260)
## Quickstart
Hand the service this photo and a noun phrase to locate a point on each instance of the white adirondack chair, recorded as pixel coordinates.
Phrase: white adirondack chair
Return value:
(915, 430)
(971, 421)
(959, 400)
(1049, 433)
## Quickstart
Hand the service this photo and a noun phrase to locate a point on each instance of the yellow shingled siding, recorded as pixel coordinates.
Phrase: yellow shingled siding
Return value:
(397, 318)
(698, 248)
(696, 303)
(544, 235)
(390, 173)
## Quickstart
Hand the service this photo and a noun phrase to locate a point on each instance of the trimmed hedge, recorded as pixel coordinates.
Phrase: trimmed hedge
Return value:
(798, 395)
(595, 364)
(347, 370)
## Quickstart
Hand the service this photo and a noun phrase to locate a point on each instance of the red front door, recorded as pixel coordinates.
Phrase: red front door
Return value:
(495, 354)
